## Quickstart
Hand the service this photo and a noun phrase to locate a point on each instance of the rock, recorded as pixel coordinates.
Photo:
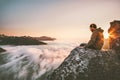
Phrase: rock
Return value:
(2, 50)
(114, 38)
(88, 64)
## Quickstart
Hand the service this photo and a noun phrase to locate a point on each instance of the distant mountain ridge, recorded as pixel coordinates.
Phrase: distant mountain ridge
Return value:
(23, 40)
(45, 38)
(2, 50)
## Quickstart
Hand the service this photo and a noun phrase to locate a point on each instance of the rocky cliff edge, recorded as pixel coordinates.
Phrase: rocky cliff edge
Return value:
(88, 64)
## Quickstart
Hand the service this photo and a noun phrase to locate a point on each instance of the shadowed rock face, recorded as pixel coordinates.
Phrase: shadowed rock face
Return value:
(114, 38)
(88, 64)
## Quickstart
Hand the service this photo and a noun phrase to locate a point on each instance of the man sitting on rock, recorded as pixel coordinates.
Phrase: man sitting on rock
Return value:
(114, 38)
(97, 39)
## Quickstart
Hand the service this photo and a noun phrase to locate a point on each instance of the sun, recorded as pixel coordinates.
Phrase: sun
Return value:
(106, 35)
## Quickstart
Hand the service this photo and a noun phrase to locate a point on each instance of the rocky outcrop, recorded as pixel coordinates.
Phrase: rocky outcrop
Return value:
(2, 50)
(114, 38)
(88, 64)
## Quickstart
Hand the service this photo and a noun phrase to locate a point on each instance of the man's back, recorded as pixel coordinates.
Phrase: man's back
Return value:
(97, 40)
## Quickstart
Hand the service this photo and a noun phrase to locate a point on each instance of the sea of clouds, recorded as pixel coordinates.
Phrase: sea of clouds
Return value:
(31, 62)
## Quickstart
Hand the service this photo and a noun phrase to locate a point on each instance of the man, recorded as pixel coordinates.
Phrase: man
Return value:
(97, 39)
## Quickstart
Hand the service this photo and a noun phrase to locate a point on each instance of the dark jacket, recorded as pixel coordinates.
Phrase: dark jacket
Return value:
(97, 40)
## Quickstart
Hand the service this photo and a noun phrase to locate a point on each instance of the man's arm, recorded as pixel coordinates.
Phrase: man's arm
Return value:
(92, 40)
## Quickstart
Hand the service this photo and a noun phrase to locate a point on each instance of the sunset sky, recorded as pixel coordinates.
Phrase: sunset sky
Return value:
(62, 19)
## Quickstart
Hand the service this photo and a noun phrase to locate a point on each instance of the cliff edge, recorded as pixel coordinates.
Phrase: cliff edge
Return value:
(88, 64)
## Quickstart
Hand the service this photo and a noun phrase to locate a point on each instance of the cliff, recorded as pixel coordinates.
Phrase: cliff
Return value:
(88, 64)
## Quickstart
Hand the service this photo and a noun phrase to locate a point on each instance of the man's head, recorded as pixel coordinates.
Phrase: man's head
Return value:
(93, 27)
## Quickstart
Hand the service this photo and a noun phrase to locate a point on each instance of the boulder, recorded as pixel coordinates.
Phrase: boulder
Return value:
(114, 38)
(88, 64)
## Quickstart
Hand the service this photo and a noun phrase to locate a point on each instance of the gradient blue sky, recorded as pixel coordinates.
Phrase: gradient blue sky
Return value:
(62, 19)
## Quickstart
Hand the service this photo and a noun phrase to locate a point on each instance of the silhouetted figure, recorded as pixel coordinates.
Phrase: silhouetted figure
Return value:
(97, 39)
(114, 38)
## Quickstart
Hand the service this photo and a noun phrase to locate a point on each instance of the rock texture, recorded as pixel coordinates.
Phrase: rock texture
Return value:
(88, 64)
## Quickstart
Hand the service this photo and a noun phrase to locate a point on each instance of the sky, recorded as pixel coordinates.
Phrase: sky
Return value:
(62, 19)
